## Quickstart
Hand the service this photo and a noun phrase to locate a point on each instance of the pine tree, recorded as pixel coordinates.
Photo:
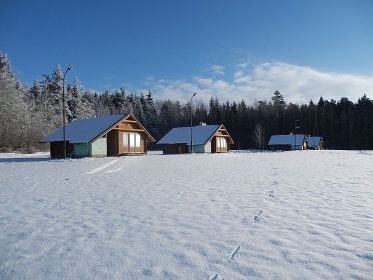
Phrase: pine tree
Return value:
(137, 108)
(278, 99)
(364, 122)
(120, 102)
(78, 108)
(150, 115)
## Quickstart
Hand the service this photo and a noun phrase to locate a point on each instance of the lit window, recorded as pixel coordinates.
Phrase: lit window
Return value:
(137, 140)
(221, 142)
(131, 139)
(125, 139)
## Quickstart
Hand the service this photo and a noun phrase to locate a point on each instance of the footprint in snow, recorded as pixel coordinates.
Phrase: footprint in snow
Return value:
(234, 253)
(271, 194)
(257, 218)
(215, 277)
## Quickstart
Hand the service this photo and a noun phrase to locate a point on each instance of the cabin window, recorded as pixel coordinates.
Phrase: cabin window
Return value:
(131, 139)
(137, 140)
(125, 139)
(221, 142)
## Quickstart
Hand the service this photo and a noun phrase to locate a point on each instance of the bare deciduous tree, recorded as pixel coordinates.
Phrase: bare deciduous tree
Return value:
(259, 136)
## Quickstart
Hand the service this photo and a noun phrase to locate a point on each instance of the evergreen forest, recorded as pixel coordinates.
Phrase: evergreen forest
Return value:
(28, 113)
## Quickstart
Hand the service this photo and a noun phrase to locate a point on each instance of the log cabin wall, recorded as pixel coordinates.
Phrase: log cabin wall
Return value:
(131, 137)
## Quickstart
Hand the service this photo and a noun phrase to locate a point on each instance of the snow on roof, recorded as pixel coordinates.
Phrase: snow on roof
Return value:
(83, 131)
(286, 139)
(314, 140)
(181, 135)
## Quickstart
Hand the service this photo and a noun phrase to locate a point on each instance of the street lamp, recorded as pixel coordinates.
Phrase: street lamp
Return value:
(295, 133)
(191, 125)
(63, 111)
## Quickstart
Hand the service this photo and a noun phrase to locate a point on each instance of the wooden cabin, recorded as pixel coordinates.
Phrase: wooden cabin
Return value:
(206, 139)
(287, 142)
(100, 137)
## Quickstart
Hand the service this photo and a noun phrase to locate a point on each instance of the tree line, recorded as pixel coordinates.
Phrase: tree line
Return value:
(28, 113)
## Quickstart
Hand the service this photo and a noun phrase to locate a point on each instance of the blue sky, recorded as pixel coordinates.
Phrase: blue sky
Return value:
(232, 50)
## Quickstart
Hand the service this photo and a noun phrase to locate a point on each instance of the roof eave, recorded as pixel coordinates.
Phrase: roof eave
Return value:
(221, 127)
(150, 138)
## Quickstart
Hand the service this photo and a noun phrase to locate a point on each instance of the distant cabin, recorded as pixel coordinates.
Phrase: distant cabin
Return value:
(206, 139)
(287, 142)
(315, 142)
(100, 137)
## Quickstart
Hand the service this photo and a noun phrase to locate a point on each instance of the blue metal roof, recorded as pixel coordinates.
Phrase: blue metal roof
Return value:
(289, 139)
(314, 141)
(181, 135)
(83, 131)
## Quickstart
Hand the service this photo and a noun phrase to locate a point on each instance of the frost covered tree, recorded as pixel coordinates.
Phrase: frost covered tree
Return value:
(120, 101)
(78, 106)
(138, 108)
(14, 114)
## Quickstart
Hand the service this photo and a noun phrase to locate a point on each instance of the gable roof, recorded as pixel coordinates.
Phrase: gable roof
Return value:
(201, 134)
(314, 140)
(88, 130)
(289, 139)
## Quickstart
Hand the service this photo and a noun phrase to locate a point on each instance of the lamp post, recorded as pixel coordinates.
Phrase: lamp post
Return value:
(191, 125)
(63, 111)
(295, 134)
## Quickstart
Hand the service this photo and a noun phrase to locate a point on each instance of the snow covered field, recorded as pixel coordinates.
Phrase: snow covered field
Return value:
(290, 215)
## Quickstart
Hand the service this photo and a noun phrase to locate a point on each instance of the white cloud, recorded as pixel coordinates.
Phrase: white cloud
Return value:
(216, 70)
(244, 65)
(251, 83)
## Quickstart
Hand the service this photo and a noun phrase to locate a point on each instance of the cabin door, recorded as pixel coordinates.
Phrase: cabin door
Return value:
(221, 144)
(131, 142)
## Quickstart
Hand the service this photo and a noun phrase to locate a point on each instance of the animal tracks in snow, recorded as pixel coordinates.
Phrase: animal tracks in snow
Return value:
(271, 194)
(232, 258)
(216, 277)
(234, 253)
(257, 219)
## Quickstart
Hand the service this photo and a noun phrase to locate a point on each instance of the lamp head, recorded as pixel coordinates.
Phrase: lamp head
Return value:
(70, 67)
